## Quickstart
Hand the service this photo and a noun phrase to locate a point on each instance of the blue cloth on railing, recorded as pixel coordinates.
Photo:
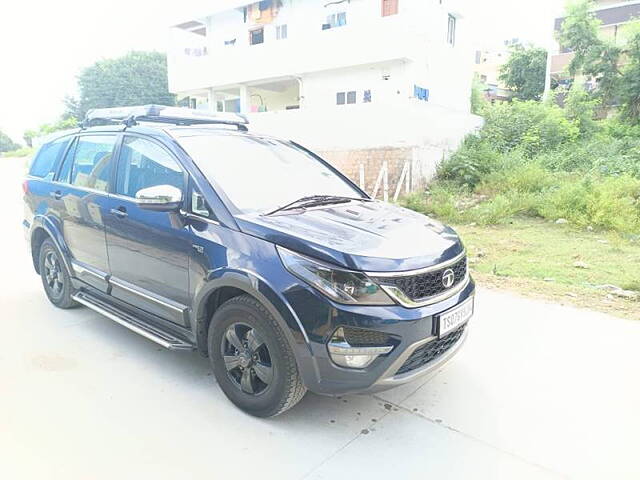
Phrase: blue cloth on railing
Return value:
(421, 93)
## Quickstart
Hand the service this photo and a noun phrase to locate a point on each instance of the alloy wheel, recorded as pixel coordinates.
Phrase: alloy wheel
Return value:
(246, 358)
(53, 274)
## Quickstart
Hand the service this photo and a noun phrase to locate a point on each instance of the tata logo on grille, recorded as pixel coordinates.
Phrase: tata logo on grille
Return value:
(448, 277)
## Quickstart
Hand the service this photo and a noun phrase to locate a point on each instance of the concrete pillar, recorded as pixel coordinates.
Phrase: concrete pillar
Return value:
(212, 101)
(244, 99)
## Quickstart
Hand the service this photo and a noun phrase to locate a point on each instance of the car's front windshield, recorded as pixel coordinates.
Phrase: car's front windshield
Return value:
(260, 174)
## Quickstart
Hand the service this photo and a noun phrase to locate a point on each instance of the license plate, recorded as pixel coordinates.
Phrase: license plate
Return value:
(455, 317)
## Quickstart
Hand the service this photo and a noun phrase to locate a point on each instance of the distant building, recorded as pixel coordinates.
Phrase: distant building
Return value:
(487, 67)
(614, 15)
(359, 80)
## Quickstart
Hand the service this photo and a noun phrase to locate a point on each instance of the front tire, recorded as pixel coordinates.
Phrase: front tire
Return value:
(252, 359)
(55, 278)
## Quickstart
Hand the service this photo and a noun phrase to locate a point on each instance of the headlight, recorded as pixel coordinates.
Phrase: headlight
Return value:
(343, 286)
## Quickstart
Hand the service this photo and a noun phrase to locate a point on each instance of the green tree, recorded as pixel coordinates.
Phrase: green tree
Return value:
(628, 91)
(137, 78)
(580, 107)
(47, 128)
(525, 72)
(6, 144)
(593, 56)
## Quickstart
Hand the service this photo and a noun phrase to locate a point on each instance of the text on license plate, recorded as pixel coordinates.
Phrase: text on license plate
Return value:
(455, 317)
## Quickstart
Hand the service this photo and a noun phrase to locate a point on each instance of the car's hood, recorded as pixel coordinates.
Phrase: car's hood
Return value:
(369, 236)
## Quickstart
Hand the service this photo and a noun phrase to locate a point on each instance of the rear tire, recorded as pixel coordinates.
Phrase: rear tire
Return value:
(55, 277)
(252, 359)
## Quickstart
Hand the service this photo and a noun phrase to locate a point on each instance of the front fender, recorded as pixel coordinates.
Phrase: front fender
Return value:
(256, 286)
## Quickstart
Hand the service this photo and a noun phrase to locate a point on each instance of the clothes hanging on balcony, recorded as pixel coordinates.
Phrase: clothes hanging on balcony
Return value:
(263, 12)
(421, 93)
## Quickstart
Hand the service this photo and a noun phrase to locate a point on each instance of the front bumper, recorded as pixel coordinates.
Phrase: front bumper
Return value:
(390, 379)
(411, 329)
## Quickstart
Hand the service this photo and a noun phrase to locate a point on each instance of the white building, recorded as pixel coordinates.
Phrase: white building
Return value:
(343, 77)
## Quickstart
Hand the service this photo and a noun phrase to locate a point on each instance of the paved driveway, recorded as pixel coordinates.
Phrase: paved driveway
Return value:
(539, 391)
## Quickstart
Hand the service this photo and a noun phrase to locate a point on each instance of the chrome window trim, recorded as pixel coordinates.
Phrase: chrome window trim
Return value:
(77, 187)
(193, 216)
(420, 271)
(148, 296)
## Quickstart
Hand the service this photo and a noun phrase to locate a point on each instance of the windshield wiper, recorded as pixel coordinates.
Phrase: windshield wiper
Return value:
(316, 201)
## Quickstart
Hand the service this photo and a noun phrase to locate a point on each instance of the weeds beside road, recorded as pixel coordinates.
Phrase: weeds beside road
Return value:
(548, 202)
(559, 262)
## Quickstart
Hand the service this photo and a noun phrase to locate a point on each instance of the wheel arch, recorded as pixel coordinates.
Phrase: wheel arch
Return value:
(42, 229)
(235, 283)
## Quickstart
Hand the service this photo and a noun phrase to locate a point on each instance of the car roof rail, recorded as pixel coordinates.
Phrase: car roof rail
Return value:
(131, 116)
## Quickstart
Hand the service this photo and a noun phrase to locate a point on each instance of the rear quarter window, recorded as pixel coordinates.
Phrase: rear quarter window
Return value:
(46, 162)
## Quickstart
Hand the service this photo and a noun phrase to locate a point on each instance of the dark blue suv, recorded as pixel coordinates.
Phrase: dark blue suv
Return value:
(197, 234)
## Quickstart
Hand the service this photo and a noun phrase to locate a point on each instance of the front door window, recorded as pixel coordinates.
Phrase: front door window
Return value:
(145, 164)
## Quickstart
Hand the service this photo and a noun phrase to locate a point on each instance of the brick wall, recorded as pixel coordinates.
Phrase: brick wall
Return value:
(349, 161)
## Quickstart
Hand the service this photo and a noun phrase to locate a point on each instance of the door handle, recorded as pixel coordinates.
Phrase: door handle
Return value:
(57, 194)
(120, 212)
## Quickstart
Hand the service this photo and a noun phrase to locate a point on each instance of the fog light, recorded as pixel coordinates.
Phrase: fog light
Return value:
(345, 355)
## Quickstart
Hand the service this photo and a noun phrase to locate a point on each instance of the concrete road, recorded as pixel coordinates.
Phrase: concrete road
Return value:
(540, 391)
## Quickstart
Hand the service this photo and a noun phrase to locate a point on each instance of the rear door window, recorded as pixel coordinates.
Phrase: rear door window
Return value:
(48, 159)
(92, 162)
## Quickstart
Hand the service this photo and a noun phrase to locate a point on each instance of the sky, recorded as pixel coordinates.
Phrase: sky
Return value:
(45, 44)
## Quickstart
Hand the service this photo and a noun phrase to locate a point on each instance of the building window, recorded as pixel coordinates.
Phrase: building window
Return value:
(256, 37)
(389, 7)
(343, 98)
(366, 98)
(193, 103)
(451, 30)
(335, 20)
(281, 32)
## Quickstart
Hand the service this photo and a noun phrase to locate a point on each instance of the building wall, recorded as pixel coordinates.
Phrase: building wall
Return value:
(387, 83)
(386, 56)
(272, 100)
(417, 36)
(349, 135)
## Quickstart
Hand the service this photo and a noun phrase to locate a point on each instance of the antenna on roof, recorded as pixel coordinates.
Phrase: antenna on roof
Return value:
(130, 116)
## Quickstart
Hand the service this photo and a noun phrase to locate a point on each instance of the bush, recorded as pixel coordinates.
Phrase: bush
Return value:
(607, 202)
(599, 155)
(517, 176)
(474, 159)
(531, 160)
(530, 126)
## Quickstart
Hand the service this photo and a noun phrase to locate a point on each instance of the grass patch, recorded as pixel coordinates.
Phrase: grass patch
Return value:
(21, 152)
(537, 258)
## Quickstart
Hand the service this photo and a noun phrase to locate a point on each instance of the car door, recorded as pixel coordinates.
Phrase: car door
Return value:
(80, 196)
(148, 250)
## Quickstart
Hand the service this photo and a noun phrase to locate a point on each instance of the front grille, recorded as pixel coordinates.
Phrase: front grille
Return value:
(424, 285)
(432, 350)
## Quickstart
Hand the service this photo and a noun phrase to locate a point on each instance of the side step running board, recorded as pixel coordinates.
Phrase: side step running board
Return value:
(132, 323)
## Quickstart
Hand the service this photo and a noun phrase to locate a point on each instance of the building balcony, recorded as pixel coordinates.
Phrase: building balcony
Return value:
(195, 62)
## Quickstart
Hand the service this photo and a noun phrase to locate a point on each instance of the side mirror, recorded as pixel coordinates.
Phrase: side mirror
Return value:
(160, 198)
